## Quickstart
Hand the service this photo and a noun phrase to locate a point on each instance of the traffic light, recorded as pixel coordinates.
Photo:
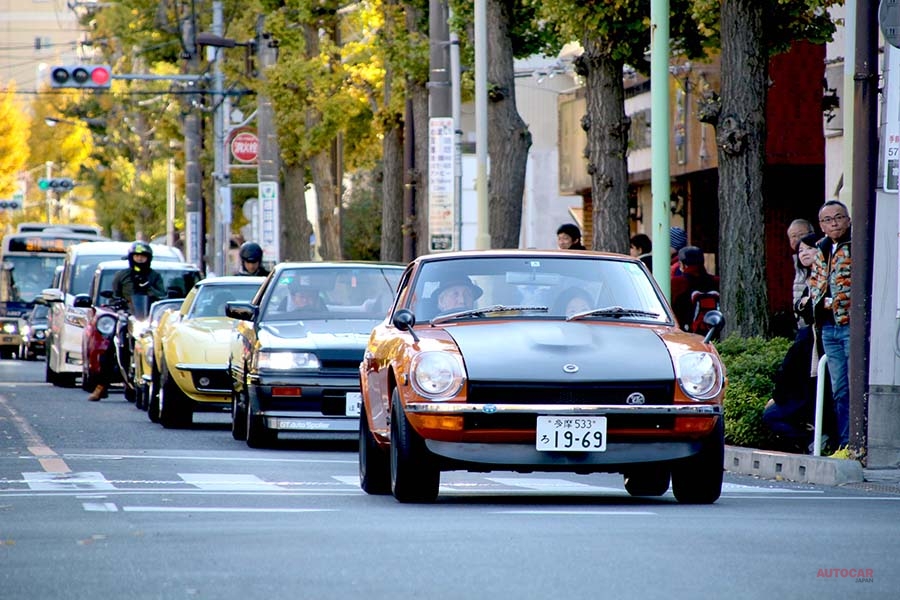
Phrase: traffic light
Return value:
(81, 76)
(60, 184)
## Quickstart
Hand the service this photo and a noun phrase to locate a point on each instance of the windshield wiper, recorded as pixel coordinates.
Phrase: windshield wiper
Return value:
(612, 311)
(477, 312)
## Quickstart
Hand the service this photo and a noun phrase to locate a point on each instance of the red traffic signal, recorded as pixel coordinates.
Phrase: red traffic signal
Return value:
(81, 76)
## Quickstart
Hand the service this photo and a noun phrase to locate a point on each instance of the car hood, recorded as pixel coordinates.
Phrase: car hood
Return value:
(536, 351)
(325, 337)
(205, 339)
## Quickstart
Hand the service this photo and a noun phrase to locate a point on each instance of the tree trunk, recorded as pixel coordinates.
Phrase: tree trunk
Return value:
(392, 191)
(741, 137)
(295, 227)
(329, 214)
(419, 94)
(607, 146)
(508, 137)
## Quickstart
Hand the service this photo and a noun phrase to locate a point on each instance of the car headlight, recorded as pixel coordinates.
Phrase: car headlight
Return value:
(106, 324)
(283, 361)
(40, 334)
(437, 374)
(10, 328)
(76, 317)
(700, 375)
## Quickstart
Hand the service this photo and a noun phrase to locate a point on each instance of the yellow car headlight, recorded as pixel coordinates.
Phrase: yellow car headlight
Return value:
(700, 375)
(437, 375)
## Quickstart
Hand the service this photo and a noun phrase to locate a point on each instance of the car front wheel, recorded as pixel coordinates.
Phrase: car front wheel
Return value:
(374, 465)
(698, 479)
(172, 410)
(414, 475)
(238, 418)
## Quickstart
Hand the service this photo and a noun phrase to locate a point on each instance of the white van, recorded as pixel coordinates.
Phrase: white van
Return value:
(66, 322)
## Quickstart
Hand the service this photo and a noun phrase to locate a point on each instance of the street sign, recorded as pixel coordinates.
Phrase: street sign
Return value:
(891, 156)
(441, 199)
(245, 147)
(889, 21)
(269, 219)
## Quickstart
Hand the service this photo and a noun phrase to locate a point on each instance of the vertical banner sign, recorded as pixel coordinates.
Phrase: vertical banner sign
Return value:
(192, 244)
(441, 203)
(268, 220)
(891, 166)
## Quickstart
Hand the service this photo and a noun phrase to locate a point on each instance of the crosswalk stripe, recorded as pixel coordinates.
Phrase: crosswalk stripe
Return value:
(51, 481)
(228, 482)
(552, 485)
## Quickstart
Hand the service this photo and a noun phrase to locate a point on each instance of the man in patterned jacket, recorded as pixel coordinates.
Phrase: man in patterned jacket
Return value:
(829, 289)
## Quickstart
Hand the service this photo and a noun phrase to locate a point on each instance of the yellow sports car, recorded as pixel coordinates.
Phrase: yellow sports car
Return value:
(190, 348)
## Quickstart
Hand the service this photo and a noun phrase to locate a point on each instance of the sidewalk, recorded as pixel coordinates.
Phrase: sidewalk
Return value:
(804, 468)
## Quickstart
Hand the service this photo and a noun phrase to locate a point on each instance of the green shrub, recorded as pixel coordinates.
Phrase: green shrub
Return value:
(751, 364)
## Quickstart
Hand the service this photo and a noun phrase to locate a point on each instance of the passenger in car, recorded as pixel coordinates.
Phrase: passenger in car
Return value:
(571, 301)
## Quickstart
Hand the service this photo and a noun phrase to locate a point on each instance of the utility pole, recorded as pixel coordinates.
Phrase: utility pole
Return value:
(220, 236)
(441, 134)
(193, 178)
(269, 161)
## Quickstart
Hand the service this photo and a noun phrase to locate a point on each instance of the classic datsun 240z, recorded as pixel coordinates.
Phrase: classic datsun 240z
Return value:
(527, 361)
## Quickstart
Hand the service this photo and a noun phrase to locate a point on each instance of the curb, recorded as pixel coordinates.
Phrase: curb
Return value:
(795, 467)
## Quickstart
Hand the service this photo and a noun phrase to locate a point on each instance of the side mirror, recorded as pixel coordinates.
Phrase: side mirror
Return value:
(52, 295)
(242, 311)
(82, 301)
(405, 320)
(715, 320)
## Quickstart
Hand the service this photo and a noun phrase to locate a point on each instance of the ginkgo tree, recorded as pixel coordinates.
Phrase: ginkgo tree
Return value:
(13, 141)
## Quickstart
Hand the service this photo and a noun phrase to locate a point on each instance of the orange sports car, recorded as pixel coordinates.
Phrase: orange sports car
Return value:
(521, 360)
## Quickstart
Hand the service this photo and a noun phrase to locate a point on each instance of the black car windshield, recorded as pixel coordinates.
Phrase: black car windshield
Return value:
(566, 286)
(211, 298)
(352, 292)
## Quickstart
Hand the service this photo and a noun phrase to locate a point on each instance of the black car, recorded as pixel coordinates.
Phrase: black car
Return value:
(34, 333)
(296, 349)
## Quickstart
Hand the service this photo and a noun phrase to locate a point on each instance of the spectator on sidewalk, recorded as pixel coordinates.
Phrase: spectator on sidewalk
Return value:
(677, 241)
(642, 248)
(568, 237)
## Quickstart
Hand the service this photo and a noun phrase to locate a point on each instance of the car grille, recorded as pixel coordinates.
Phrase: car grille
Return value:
(219, 379)
(327, 401)
(584, 394)
(332, 364)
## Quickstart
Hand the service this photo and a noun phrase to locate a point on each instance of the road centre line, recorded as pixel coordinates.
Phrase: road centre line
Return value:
(171, 509)
(82, 456)
(49, 460)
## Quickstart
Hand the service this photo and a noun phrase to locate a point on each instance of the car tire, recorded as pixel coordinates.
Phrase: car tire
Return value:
(173, 413)
(153, 396)
(238, 418)
(49, 374)
(258, 435)
(698, 479)
(414, 475)
(374, 462)
(140, 396)
(648, 481)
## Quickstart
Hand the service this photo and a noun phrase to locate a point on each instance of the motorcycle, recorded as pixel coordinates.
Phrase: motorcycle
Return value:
(131, 319)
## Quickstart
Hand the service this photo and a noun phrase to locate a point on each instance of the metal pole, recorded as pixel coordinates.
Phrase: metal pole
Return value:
(220, 176)
(659, 140)
(456, 111)
(193, 184)
(865, 171)
(483, 237)
(49, 194)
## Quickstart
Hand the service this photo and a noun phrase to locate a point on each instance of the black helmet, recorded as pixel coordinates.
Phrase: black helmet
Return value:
(251, 252)
(144, 249)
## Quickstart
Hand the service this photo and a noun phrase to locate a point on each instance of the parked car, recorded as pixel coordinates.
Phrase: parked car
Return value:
(144, 362)
(539, 361)
(101, 314)
(191, 347)
(296, 349)
(67, 321)
(34, 333)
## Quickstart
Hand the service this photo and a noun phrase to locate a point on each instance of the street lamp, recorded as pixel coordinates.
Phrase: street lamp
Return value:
(53, 122)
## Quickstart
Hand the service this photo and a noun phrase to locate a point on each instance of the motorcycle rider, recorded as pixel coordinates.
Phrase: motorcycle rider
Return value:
(251, 255)
(138, 278)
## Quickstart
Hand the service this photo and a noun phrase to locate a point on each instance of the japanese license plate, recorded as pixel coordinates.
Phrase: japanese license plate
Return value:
(571, 434)
(7, 339)
(354, 402)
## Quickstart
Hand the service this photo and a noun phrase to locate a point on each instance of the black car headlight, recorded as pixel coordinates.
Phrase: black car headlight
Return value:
(106, 324)
(39, 334)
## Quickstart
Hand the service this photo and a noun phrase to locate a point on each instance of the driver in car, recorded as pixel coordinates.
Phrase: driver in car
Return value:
(457, 294)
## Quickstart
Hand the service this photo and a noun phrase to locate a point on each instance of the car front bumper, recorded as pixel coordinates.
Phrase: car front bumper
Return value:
(306, 404)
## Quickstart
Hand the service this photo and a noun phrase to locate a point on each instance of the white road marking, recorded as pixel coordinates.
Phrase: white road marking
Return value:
(226, 482)
(556, 486)
(100, 506)
(171, 509)
(84, 481)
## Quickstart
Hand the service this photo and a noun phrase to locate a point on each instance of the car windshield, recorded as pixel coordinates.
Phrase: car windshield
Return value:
(332, 293)
(586, 288)
(210, 299)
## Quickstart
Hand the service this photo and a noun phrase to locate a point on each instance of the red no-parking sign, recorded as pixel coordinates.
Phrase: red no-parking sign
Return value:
(245, 147)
